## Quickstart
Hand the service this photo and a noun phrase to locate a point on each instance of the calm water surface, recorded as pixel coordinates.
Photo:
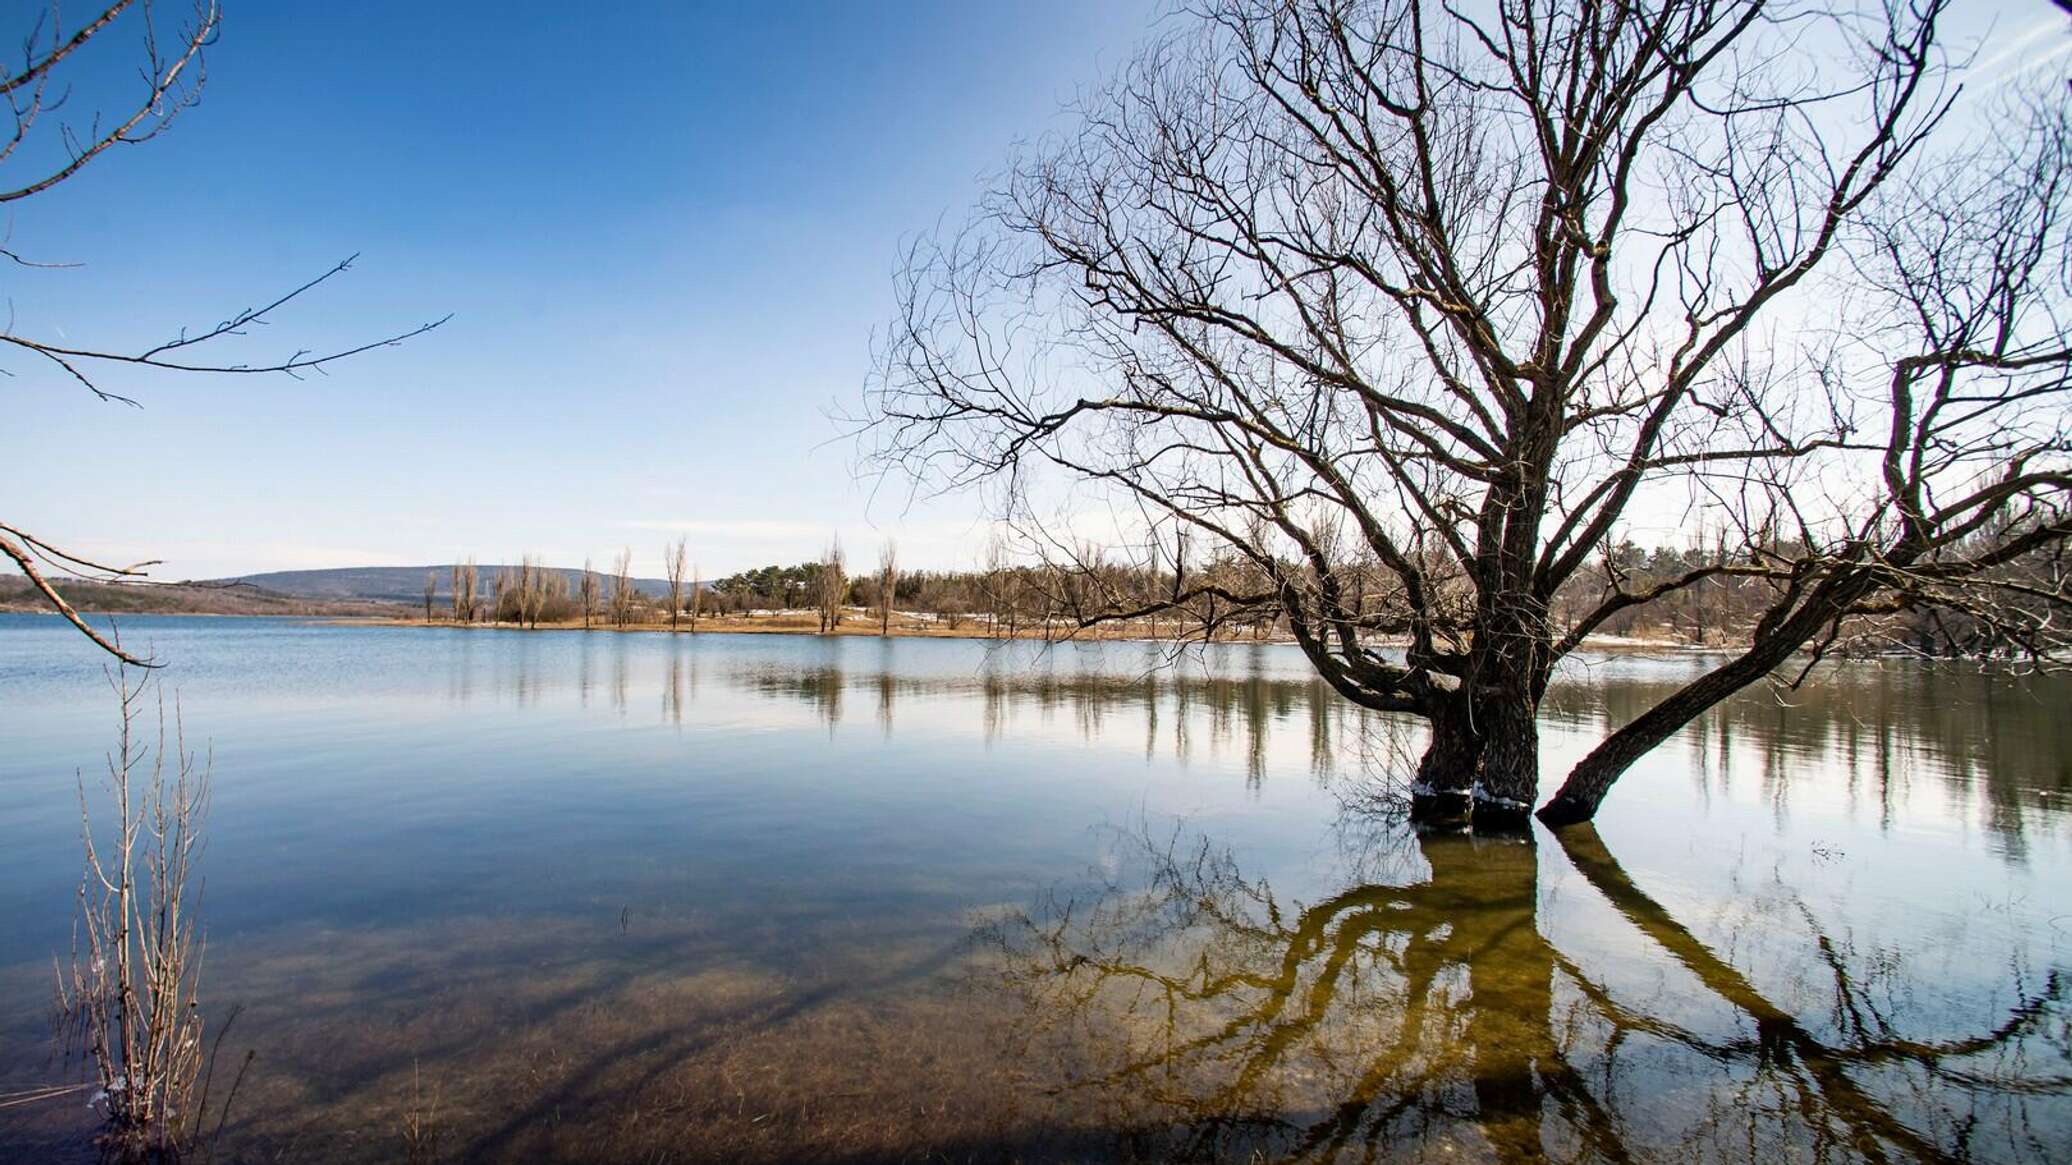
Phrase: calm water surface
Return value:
(650, 899)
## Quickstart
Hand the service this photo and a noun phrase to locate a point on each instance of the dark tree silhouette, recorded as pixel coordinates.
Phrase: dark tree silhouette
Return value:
(1409, 309)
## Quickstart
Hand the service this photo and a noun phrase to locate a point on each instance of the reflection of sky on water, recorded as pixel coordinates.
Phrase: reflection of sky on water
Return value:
(467, 832)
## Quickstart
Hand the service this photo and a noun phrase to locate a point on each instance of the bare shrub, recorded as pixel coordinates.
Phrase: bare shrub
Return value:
(421, 1128)
(128, 1000)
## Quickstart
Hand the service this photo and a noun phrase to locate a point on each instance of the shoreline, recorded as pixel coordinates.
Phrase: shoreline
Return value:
(809, 626)
(806, 624)
(795, 625)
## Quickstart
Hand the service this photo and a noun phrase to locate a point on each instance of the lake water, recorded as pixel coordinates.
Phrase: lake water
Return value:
(641, 898)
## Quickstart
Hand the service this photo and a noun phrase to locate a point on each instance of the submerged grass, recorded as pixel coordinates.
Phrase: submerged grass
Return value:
(537, 1038)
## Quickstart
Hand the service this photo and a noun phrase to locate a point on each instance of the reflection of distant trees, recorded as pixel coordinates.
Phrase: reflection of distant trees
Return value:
(819, 688)
(1988, 739)
(679, 683)
(1171, 707)
(1999, 745)
(1422, 1019)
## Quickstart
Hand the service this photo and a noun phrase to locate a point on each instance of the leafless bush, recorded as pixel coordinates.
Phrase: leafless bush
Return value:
(421, 1123)
(128, 1000)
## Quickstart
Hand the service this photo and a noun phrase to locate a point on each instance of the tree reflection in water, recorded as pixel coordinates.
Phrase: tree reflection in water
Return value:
(1426, 1018)
(1988, 746)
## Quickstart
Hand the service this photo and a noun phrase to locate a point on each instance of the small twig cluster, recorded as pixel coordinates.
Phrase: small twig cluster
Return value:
(129, 998)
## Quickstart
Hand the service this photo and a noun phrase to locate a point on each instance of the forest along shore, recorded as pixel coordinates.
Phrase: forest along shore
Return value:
(863, 623)
(234, 601)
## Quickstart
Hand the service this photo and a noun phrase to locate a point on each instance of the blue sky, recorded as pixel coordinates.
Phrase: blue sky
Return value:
(666, 233)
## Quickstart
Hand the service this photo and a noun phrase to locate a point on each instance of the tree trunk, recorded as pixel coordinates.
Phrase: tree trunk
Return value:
(1507, 765)
(1592, 778)
(1440, 796)
(1504, 685)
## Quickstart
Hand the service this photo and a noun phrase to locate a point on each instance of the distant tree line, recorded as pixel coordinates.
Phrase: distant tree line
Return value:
(1175, 592)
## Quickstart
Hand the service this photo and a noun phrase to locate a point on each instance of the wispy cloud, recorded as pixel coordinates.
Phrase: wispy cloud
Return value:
(744, 528)
(2024, 52)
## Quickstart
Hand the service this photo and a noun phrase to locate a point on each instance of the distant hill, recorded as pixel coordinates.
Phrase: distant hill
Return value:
(185, 599)
(399, 584)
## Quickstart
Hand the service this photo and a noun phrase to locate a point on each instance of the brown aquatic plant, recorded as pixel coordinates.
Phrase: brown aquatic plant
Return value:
(421, 1128)
(128, 1002)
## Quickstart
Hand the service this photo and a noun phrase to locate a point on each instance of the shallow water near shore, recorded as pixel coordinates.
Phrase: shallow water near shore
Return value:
(648, 898)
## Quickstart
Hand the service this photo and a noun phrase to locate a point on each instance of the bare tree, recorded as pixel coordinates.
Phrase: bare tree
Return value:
(1961, 354)
(832, 586)
(534, 590)
(431, 591)
(675, 563)
(502, 587)
(1410, 310)
(515, 581)
(697, 595)
(542, 590)
(587, 592)
(990, 581)
(171, 73)
(622, 596)
(888, 583)
(464, 583)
